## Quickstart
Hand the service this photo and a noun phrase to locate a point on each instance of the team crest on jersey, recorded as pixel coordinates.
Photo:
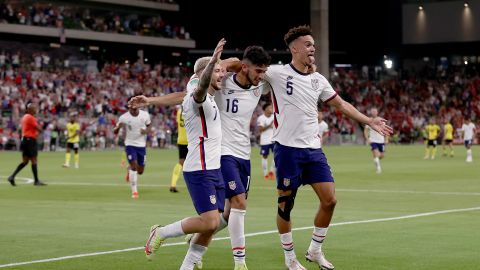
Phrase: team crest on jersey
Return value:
(256, 92)
(286, 182)
(315, 84)
(232, 185)
(213, 199)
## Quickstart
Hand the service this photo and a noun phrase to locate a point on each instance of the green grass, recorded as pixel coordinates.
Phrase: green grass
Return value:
(90, 210)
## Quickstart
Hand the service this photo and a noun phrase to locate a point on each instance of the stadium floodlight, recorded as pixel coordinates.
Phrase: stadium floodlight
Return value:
(420, 8)
(465, 4)
(388, 63)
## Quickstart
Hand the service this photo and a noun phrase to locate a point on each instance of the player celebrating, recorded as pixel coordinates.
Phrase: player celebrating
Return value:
(265, 123)
(432, 130)
(468, 133)
(447, 138)
(298, 155)
(201, 168)
(376, 141)
(182, 145)
(73, 138)
(136, 124)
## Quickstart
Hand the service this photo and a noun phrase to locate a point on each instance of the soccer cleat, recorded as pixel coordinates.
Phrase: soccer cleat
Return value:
(266, 177)
(134, 195)
(240, 266)
(154, 241)
(77, 166)
(271, 175)
(379, 170)
(173, 190)
(66, 166)
(294, 264)
(319, 258)
(199, 264)
(39, 183)
(11, 179)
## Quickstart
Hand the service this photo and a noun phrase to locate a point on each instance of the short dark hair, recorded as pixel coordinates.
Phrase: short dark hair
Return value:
(266, 105)
(296, 32)
(257, 55)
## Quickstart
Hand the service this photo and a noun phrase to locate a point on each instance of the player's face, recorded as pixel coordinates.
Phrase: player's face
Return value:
(374, 112)
(32, 109)
(217, 77)
(304, 50)
(269, 110)
(255, 73)
(133, 111)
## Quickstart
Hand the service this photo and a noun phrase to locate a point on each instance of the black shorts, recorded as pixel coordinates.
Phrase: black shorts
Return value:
(29, 147)
(432, 143)
(73, 146)
(448, 141)
(182, 151)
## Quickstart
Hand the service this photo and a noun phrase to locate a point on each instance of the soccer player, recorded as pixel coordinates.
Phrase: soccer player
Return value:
(468, 133)
(322, 127)
(265, 123)
(30, 130)
(376, 141)
(447, 138)
(298, 156)
(136, 124)
(201, 169)
(182, 145)
(432, 130)
(73, 138)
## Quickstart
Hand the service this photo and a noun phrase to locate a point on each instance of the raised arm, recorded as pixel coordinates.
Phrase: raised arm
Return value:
(200, 92)
(166, 100)
(378, 124)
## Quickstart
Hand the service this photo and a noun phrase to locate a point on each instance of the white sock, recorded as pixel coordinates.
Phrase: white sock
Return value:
(376, 160)
(265, 166)
(273, 168)
(287, 245)
(469, 153)
(236, 228)
(318, 236)
(194, 254)
(172, 230)
(132, 176)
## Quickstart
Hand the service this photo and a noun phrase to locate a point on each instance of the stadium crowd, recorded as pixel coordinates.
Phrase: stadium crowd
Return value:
(100, 97)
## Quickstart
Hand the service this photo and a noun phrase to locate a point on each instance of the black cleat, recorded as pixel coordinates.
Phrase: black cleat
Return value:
(173, 190)
(11, 179)
(39, 183)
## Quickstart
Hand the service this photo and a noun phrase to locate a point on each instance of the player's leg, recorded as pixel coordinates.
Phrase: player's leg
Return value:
(288, 161)
(273, 169)
(132, 158)
(468, 146)
(318, 173)
(444, 148)
(20, 166)
(427, 149)
(177, 170)
(434, 149)
(76, 155)
(264, 154)
(34, 162)
(450, 145)
(67, 156)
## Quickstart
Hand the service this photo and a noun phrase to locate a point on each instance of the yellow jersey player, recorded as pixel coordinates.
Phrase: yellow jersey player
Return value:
(182, 144)
(447, 138)
(432, 130)
(73, 139)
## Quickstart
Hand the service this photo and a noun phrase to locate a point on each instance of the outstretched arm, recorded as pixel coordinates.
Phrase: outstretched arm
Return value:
(378, 124)
(166, 100)
(205, 79)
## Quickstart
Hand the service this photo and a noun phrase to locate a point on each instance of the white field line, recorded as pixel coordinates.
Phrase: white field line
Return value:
(29, 181)
(248, 235)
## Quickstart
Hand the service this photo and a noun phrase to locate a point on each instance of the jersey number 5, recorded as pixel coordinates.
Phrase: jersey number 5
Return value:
(289, 87)
(234, 105)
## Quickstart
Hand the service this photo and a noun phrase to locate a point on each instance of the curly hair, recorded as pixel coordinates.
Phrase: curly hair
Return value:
(296, 32)
(257, 55)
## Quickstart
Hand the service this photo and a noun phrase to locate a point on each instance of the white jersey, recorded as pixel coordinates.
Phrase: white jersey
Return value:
(204, 134)
(295, 97)
(192, 83)
(468, 131)
(237, 105)
(267, 134)
(133, 127)
(374, 136)
(322, 128)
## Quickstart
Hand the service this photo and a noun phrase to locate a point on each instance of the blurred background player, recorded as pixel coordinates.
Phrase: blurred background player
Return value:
(322, 128)
(447, 138)
(136, 124)
(73, 139)
(432, 130)
(30, 130)
(468, 132)
(182, 145)
(376, 141)
(265, 123)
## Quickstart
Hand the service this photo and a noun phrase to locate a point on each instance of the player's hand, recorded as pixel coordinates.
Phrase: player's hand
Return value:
(218, 50)
(380, 125)
(143, 131)
(138, 102)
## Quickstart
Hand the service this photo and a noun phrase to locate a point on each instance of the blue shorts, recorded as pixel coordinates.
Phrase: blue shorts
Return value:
(468, 143)
(206, 189)
(265, 149)
(300, 166)
(379, 146)
(236, 175)
(135, 153)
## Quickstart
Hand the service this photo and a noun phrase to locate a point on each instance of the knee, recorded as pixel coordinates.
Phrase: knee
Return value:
(140, 171)
(211, 225)
(239, 202)
(329, 203)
